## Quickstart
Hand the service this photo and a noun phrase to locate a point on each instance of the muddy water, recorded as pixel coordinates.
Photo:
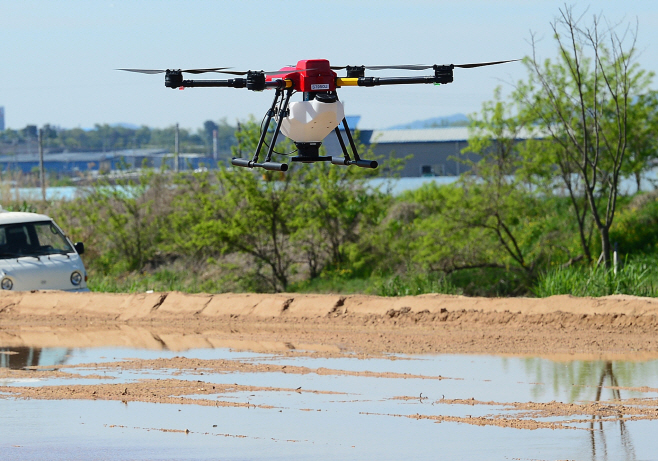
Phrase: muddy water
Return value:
(456, 407)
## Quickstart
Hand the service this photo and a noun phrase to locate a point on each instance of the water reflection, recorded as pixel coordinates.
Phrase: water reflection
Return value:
(584, 378)
(18, 358)
(597, 381)
(608, 377)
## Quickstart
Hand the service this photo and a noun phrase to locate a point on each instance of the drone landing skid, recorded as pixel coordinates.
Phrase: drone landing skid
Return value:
(271, 166)
(347, 160)
(337, 161)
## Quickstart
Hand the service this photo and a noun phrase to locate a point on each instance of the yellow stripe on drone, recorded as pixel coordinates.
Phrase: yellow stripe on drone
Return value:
(347, 81)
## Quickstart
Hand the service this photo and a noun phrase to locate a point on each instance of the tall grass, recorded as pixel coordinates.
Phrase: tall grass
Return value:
(416, 285)
(162, 280)
(637, 277)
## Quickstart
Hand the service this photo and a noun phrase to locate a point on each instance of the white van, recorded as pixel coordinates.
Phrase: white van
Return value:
(36, 255)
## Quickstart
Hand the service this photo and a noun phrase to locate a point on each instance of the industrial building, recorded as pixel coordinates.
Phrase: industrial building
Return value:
(104, 162)
(433, 151)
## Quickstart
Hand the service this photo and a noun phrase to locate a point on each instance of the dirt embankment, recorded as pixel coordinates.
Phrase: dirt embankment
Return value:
(611, 327)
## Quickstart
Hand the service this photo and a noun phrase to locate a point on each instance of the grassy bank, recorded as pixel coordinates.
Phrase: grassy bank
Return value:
(637, 277)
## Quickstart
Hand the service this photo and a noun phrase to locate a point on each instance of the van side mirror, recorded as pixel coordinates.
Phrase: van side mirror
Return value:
(79, 247)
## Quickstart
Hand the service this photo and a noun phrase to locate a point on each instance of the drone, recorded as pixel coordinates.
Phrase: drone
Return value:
(308, 122)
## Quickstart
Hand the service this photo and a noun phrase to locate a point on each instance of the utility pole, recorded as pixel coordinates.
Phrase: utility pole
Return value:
(238, 135)
(176, 151)
(214, 145)
(42, 173)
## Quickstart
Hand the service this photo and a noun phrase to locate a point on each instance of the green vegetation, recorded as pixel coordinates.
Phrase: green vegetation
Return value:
(322, 229)
(534, 218)
(638, 278)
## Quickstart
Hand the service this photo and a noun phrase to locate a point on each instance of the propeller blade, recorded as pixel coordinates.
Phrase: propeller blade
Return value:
(232, 72)
(144, 71)
(189, 71)
(203, 71)
(480, 64)
(401, 66)
(271, 72)
(424, 67)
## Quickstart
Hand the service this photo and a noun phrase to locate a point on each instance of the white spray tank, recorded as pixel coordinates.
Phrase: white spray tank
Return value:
(312, 121)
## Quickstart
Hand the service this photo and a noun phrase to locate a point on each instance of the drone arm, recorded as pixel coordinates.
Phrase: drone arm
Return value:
(378, 81)
(442, 74)
(279, 83)
(230, 83)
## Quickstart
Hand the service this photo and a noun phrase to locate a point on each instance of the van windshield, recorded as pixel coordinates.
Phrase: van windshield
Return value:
(32, 239)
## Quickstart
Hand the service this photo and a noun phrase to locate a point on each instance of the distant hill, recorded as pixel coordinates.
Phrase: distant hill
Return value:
(436, 122)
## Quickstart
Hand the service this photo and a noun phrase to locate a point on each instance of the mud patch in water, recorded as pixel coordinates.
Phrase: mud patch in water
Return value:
(209, 404)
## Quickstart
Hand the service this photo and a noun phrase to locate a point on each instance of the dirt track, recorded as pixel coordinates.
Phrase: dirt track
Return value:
(611, 327)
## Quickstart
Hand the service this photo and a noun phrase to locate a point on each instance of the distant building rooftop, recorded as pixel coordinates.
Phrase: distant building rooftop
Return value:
(452, 134)
(81, 156)
(421, 135)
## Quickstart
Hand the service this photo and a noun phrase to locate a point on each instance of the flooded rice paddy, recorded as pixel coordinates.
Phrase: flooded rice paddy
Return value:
(141, 404)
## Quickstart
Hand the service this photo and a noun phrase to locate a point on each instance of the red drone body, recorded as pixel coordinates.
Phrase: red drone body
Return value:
(310, 75)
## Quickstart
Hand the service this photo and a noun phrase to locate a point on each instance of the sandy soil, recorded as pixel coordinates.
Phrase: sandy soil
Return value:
(561, 328)
(331, 325)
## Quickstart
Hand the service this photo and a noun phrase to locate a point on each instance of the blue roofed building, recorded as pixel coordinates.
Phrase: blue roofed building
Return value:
(71, 163)
(432, 151)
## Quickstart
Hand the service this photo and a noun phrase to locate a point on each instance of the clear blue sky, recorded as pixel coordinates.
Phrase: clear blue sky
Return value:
(58, 57)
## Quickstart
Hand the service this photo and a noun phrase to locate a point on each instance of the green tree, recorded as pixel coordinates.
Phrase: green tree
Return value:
(583, 103)
(243, 211)
(337, 210)
(643, 142)
(499, 197)
(290, 225)
(123, 225)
